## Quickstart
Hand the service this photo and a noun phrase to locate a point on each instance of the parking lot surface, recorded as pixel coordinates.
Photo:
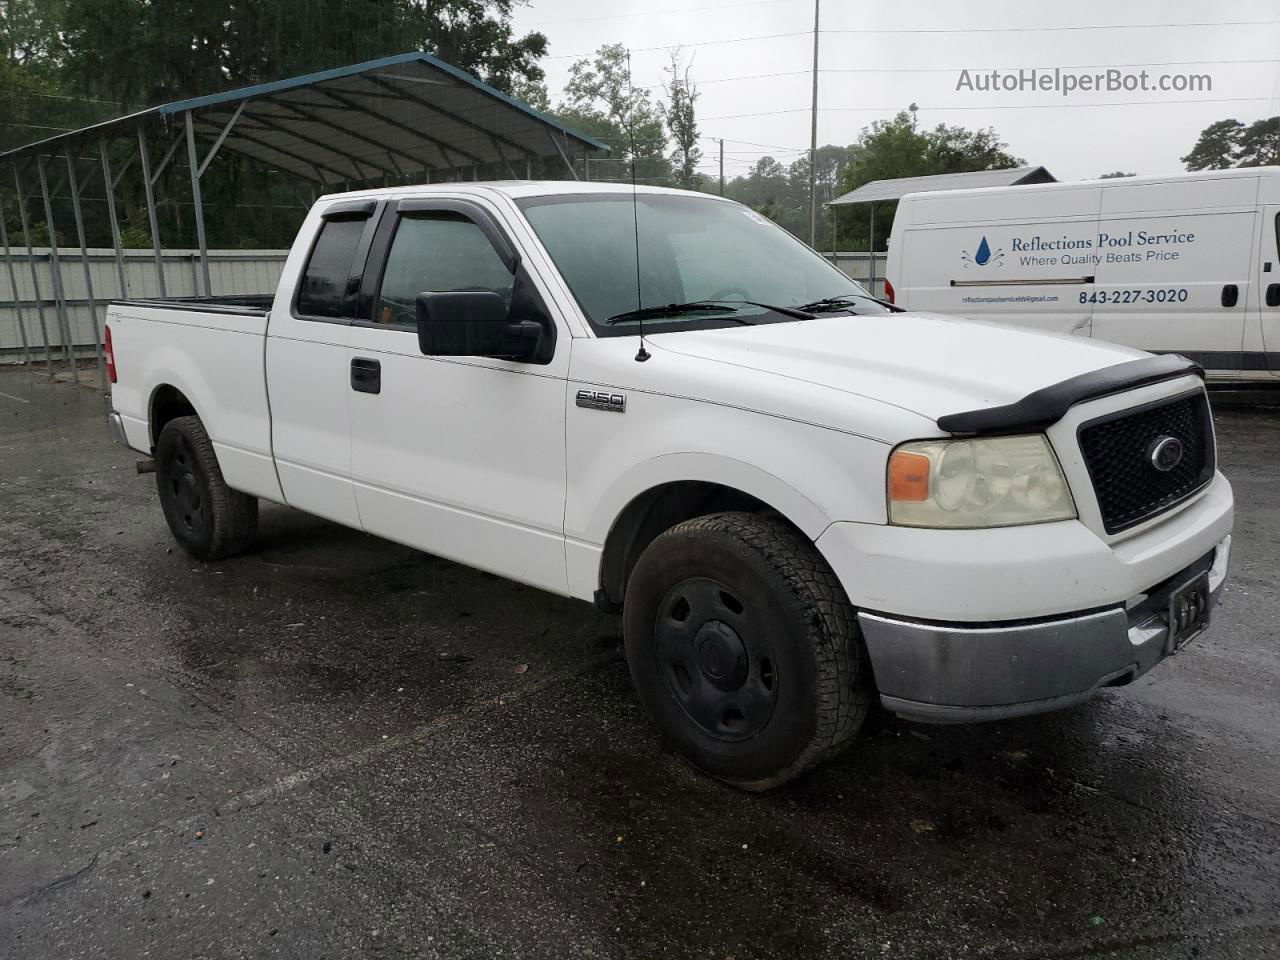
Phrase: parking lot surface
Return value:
(337, 747)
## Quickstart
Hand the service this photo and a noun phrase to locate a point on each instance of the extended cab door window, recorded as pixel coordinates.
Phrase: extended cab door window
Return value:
(437, 251)
(331, 278)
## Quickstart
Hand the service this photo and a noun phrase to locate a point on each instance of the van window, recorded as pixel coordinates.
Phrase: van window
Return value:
(437, 252)
(323, 292)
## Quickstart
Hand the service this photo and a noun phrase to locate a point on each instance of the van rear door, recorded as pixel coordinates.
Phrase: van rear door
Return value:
(1268, 300)
(1020, 255)
(1175, 271)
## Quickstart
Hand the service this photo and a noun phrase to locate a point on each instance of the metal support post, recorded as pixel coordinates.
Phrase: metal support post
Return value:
(88, 273)
(871, 247)
(813, 140)
(152, 220)
(55, 265)
(199, 205)
(109, 186)
(13, 285)
(35, 274)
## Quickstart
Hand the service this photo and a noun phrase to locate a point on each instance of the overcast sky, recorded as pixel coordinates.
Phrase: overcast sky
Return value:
(878, 66)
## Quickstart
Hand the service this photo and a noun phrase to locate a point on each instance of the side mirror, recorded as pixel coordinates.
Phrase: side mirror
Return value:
(473, 323)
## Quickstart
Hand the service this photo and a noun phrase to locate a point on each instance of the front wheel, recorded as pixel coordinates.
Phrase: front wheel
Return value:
(207, 518)
(744, 648)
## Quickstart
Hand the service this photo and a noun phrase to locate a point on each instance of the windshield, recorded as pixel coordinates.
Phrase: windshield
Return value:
(691, 249)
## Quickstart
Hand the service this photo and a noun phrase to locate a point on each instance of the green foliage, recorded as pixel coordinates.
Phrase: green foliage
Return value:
(895, 148)
(682, 123)
(888, 149)
(1230, 143)
(143, 52)
(1259, 144)
(135, 238)
(781, 193)
(1115, 175)
(600, 101)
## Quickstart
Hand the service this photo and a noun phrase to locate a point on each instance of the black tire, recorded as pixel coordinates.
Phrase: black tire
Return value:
(207, 518)
(745, 649)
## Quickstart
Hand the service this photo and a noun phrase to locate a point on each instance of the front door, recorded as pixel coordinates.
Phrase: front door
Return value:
(463, 457)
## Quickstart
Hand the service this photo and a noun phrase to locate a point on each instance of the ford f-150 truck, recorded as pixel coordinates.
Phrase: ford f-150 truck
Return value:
(800, 499)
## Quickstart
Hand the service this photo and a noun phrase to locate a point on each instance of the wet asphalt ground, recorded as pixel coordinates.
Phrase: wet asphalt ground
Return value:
(337, 747)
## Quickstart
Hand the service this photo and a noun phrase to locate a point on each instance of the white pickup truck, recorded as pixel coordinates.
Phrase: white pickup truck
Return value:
(799, 498)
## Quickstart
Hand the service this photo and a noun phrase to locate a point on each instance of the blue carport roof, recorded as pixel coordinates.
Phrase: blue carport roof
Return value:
(396, 115)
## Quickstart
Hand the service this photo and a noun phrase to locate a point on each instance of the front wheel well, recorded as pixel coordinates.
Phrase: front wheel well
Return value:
(651, 513)
(167, 403)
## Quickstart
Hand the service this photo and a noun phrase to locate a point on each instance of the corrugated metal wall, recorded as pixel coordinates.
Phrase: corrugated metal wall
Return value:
(232, 272)
(858, 266)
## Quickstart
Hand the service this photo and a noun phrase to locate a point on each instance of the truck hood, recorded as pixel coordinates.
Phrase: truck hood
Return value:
(928, 364)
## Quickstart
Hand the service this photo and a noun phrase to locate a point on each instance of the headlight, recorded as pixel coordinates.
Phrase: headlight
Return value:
(985, 482)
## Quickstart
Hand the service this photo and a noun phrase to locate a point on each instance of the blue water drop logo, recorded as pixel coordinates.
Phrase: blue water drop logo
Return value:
(983, 256)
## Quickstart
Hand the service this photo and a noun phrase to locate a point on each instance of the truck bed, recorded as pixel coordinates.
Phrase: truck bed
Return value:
(205, 353)
(256, 304)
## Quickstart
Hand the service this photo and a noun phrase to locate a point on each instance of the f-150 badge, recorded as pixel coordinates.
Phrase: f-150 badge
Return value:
(602, 400)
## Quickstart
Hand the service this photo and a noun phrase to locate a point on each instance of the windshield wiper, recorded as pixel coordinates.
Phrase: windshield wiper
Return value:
(827, 304)
(676, 310)
(799, 313)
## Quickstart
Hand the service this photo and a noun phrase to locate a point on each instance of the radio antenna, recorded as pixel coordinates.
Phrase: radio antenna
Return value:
(642, 354)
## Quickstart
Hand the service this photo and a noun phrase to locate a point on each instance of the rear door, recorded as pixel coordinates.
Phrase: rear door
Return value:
(1177, 268)
(461, 456)
(1268, 293)
(307, 366)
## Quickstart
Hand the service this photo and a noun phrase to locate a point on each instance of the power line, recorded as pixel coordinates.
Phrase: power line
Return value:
(1012, 106)
(1073, 28)
(699, 43)
(648, 13)
(1064, 66)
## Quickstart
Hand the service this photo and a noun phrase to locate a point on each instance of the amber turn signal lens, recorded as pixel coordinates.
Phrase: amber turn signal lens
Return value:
(908, 477)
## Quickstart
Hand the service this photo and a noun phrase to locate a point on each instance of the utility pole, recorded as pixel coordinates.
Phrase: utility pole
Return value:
(722, 166)
(813, 139)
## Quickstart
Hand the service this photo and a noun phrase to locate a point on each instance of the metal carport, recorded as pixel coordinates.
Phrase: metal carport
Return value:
(409, 116)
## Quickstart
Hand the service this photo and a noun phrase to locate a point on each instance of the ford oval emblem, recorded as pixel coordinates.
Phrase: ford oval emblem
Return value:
(1165, 453)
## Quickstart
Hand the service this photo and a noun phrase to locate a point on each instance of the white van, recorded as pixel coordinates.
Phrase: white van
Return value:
(1186, 264)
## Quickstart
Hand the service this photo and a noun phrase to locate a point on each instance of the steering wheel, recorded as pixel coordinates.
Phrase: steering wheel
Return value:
(723, 293)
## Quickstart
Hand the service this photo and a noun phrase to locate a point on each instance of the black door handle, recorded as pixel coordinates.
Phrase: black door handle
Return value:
(1273, 295)
(366, 375)
(1230, 295)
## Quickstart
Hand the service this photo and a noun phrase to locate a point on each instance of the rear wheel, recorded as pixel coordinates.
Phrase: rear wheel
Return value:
(207, 518)
(744, 648)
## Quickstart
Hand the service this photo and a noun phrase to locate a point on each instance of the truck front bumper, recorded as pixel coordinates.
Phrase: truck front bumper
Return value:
(942, 672)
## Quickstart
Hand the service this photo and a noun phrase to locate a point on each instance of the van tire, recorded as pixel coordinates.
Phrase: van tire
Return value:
(207, 518)
(744, 648)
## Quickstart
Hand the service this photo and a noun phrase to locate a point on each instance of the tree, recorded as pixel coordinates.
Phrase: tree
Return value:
(143, 52)
(1230, 143)
(1259, 144)
(1115, 175)
(1216, 148)
(600, 101)
(531, 92)
(890, 149)
(682, 123)
(781, 192)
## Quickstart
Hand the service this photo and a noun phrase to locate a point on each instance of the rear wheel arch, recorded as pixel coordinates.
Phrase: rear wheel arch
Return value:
(167, 403)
